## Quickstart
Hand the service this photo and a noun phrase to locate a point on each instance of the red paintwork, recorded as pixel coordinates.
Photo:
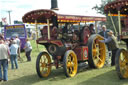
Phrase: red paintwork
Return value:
(80, 52)
(42, 41)
(57, 42)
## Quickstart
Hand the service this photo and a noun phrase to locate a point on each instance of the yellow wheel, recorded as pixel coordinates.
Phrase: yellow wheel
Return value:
(121, 62)
(97, 51)
(43, 64)
(70, 64)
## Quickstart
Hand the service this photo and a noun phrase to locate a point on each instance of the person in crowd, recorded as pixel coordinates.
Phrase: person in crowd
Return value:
(91, 28)
(112, 44)
(28, 49)
(11, 41)
(7, 42)
(54, 33)
(4, 55)
(14, 53)
(104, 31)
(84, 34)
(104, 34)
(19, 44)
(1, 36)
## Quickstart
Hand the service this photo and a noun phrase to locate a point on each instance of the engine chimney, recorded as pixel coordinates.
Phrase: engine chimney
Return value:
(54, 5)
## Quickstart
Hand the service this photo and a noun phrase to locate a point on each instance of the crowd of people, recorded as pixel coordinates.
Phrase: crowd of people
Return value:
(10, 51)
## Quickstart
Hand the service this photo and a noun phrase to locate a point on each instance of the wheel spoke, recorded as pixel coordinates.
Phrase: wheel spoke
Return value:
(68, 64)
(125, 71)
(100, 59)
(71, 70)
(101, 49)
(96, 60)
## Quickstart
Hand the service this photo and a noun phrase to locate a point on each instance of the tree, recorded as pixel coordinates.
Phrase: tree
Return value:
(100, 9)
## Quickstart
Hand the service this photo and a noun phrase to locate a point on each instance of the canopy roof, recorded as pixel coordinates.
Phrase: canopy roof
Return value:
(115, 6)
(42, 15)
(75, 18)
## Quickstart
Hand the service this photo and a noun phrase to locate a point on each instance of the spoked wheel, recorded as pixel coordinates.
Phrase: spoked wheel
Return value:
(70, 63)
(121, 62)
(97, 51)
(43, 64)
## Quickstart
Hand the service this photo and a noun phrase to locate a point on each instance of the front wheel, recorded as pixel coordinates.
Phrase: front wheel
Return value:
(43, 64)
(70, 64)
(121, 62)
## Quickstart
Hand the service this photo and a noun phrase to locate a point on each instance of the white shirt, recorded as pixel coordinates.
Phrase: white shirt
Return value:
(18, 41)
(14, 49)
(28, 46)
(4, 51)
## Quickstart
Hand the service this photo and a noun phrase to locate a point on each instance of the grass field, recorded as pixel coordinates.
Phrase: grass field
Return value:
(26, 74)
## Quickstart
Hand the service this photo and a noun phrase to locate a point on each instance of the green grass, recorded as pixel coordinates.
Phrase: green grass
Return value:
(26, 74)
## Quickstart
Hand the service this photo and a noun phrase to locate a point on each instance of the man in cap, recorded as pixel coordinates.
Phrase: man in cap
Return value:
(112, 44)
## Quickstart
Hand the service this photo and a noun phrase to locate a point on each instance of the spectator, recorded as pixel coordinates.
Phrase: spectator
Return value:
(19, 44)
(112, 44)
(28, 49)
(91, 28)
(1, 37)
(7, 42)
(4, 55)
(11, 41)
(14, 52)
(104, 32)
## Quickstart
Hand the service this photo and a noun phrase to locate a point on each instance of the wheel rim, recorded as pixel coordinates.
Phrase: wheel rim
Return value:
(71, 64)
(123, 62)
(45, 67)
(98, 52)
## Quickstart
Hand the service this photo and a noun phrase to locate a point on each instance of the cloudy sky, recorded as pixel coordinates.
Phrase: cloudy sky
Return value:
(74, 7)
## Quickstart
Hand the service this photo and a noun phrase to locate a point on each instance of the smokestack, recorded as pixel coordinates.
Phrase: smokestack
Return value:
(54, 5)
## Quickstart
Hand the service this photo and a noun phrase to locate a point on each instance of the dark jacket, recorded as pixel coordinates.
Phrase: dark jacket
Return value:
(105, 35)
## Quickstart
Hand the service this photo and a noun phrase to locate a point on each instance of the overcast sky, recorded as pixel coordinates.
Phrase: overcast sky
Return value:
(72, 7)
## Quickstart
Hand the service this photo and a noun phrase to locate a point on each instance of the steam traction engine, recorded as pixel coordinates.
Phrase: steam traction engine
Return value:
(120, 8)
(65, 47)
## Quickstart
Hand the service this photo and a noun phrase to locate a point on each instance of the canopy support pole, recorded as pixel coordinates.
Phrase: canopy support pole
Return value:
(36, 33)
(79, 26)
(113, 24)
(36, 29)
(48, 29)
(96, 27)
(119, 22)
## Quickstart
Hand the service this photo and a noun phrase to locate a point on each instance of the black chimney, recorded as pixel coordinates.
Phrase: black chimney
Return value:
(54, 5)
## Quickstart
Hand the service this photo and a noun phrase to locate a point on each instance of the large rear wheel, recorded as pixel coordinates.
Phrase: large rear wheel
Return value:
(97, 51)
(121, 62)
(43, 64)
(70, 64)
